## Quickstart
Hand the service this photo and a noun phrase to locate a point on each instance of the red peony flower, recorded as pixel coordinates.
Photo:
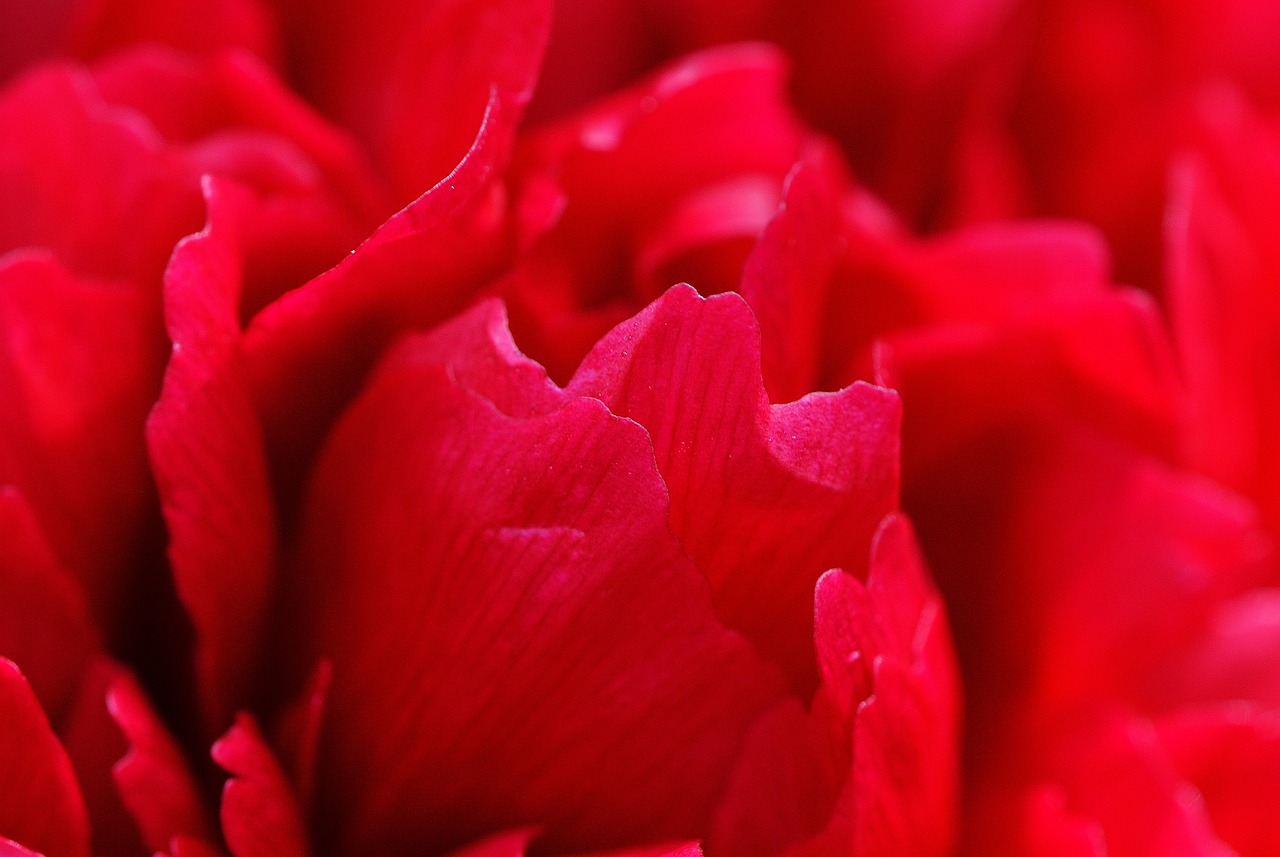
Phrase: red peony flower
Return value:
(437, 601)
(384, 471)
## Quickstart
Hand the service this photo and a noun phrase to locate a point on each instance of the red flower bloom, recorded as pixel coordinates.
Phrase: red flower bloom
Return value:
(472, 608)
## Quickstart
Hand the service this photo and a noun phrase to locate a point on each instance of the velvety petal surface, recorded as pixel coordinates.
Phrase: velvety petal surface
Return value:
(516, 635)
(758, 492)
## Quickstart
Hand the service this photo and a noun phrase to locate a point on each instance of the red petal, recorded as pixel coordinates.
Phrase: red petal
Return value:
(785, 784)
(1224, 303)
(905, 758)
(516, 636)
(1232, 755)
(9, 848)
(691, 849)
(40, 802)
(871, 767)
(87, 181)
(297, 733)
(183, 846)
(77, 370)
(412, 80)
(1052, 830)
(1234, 657)
(618, 204)
(193, 26)
(787, 274)
(502, 845)
(94, 744)
(230, 117)
(1120, 776)
(758, 493)
(260, 813)
(207, 452)
(32, 32)
(153, 778)
(44, 620)
(338, 324)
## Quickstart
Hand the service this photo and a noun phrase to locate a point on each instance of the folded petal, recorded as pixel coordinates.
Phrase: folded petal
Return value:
(44, 619)
(413, 80)
(260, 812)
(154, 781)
(516, 636)
(78, 368)
(208, 455)
(758, 492)
(41, 806)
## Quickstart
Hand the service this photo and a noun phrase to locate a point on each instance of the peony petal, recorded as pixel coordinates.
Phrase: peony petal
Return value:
(785, 783)
(9, 848)
(154, 781)
(260, 812)
(40, 806)
(1119, 775)
(87, 181)
(690, 849)
(1233, 658)
(78, 370)
(757, 493)
(207, 452)
(1027, 305)
(337, 325)
(527, 566)
(183, 846)
(1052, 830)
(32, 32)
(94, 744)
(1232, 755)
(904, 775)
(787, 275)
(503, 845)
(392, 71)
(44, 619)
(203, 27)
(297, 733)
(1224, 302)
(871, 766)
(675, 176)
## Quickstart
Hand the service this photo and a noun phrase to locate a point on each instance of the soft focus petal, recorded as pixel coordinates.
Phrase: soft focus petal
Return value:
(260, 812)
(413, 80)
(1224, 291)
(41, 806)
(76, 366)
(1232, 756)
(154, 780)
(204, 27)
(44, 619)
